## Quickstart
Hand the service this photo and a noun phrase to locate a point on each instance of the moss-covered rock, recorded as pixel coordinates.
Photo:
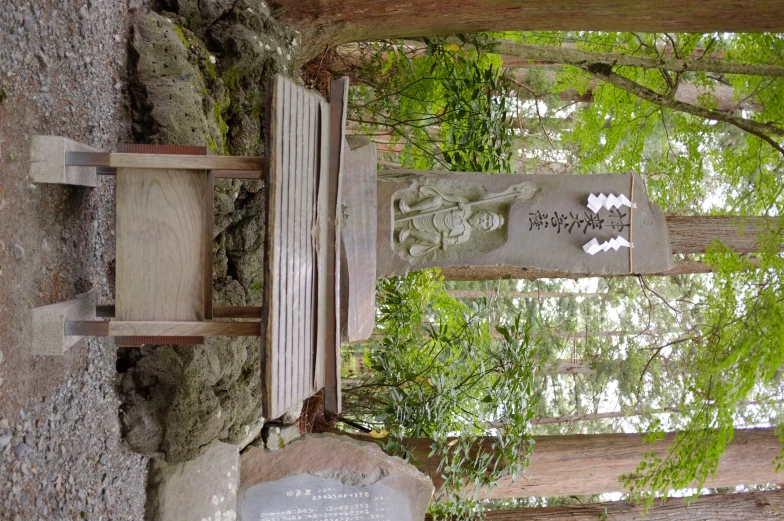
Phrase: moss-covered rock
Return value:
(185, 397)
(168, 91)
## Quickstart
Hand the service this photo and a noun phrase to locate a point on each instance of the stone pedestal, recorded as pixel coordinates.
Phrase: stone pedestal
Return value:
(49, 336)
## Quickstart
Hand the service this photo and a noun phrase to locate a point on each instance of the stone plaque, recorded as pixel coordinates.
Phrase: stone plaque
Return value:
(308, 497)
(330, 478)
(595, 224)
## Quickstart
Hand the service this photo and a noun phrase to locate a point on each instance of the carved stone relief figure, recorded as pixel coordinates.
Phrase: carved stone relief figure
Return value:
(443, 221)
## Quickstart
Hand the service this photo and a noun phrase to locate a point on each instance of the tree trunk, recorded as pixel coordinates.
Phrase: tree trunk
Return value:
(742, 506)
(722, 94)
(574, 418)
(518, 273)
(328, 23)
(567, 367)
(470, 293)
(579, 58)
(688, 234)
(593, 463)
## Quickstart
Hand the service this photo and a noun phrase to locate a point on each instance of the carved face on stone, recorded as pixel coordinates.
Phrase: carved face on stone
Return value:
(486, 221)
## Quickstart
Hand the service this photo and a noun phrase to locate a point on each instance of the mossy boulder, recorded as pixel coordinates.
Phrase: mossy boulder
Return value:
(170, 100)
(179, 399)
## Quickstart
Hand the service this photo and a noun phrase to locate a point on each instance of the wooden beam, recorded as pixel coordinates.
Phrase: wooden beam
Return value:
(138, 341)
(163, 161)
(162, 329)
(219, 174)
(237, 312)
(209, 195)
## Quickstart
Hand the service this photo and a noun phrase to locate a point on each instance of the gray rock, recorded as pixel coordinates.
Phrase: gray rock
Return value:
(5, 439)
(29, 23)
(291, 416)
(21, 450)
(359, 474)
(275, 437)
(44, 59)
(168, 91)
(253, 431)
(205, 487)
(199, 394)
(200, 14)
(19, 251)
(29, 439)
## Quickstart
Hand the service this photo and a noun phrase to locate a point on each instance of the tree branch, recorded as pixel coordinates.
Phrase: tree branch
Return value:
(761, 130)
(580, 58)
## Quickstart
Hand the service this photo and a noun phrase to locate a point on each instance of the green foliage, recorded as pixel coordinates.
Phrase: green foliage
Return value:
(448, 106)
(740, 348)
(683, 158)
(438, 374)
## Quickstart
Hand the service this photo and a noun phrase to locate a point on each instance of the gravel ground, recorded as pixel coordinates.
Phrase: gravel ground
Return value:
(62, 69)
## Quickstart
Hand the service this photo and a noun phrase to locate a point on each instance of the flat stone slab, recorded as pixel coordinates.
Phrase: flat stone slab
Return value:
(326, 477)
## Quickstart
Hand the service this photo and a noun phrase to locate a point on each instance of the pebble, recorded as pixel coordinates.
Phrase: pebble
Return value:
(21, 450)
(43, 59)
(19, 251)
(5, 439)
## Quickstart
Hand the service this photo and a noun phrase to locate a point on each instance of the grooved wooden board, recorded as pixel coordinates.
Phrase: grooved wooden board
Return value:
(160, 244)
(338, 104)
(290, 310)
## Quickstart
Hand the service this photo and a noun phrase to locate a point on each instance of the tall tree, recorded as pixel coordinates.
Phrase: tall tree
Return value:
(744, 506)
(328, 23)
(595, 463)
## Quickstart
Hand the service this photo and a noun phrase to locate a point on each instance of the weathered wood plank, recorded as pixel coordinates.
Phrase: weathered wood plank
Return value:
(320, 356)
(338, 101)
(172, 328)
(300, 190)
(209, 195)
(237, 312)
(160, 244)
(358, 275)
(173, 161)
(160, 328)
(310, 193)
(273, 146)
(137, 341)
(219, 174)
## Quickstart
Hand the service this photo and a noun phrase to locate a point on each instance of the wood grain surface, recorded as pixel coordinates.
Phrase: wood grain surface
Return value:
(161, 240)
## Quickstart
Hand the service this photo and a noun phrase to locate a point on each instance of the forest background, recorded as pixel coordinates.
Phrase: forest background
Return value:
(457, 365)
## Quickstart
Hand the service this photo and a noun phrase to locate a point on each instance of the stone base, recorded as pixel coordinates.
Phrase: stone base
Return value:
(47, 162)
(203, 488)
(49, 323)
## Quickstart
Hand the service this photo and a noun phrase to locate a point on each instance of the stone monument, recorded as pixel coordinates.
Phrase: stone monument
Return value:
(597, 224)
(329, 477)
